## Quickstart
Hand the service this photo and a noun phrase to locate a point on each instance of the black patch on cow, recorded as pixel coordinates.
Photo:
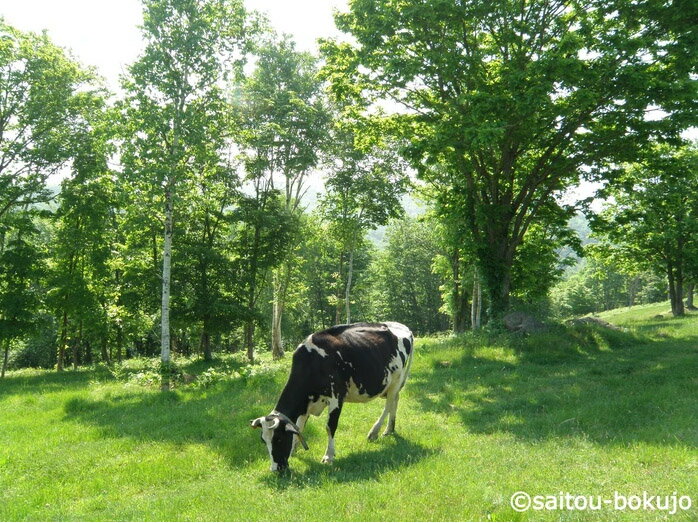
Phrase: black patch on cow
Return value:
(281, 443)
(402, 357)
(408, 345)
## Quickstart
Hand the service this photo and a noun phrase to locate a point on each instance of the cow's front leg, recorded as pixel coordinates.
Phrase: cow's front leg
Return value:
(332, 421)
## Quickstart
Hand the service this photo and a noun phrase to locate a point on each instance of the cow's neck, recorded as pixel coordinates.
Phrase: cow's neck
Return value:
(293, 401)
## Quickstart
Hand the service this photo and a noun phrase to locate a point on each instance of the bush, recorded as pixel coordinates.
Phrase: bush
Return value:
(39, 349)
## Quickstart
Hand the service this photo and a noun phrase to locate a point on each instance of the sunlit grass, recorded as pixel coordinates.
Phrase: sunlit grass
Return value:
(584, 410)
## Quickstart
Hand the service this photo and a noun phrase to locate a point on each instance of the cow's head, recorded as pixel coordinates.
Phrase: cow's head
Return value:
(277, 433)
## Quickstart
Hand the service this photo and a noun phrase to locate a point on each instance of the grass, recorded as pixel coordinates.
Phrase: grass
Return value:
(581, 409)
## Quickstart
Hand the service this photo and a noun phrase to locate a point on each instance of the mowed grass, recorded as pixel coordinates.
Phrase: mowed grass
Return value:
(583, 410)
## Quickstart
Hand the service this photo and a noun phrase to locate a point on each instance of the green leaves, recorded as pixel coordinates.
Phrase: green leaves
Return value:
(44, 96)
(505, 102)
(653, 219)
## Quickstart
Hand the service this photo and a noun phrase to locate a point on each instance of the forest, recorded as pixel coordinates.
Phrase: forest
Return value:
(237, 194)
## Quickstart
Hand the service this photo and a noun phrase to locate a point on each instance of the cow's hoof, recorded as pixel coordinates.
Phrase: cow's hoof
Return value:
(388, 433)
(327, 459)
(372, 436)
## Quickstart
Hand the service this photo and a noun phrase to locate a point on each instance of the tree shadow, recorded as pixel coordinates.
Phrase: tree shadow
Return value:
(217, 417)
(46, 382)
(389, 453)
(610, 396)
(207, 417)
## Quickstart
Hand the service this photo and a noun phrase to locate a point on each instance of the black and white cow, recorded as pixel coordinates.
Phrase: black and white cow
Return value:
(353, 363)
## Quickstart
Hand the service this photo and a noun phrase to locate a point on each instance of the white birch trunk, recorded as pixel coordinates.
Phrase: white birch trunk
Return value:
(347, 292)
(166, 276)
(476, 306)
(277, 348)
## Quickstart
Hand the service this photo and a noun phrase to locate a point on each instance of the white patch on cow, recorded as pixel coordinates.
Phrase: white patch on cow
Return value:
(310, 346)
(354, 395)
(329, 453)
(398, 329)
(318, 406)
(267, 435)
(403, 334)
(332, 403)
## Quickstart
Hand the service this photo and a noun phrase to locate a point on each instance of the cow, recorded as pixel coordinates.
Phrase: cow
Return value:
(345, 363)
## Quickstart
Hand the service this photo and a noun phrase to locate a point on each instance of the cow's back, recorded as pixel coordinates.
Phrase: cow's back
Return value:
(371, 357)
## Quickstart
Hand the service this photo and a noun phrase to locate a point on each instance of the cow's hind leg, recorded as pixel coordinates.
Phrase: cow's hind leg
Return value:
(332, 421)
(389, 409)
(391, 406)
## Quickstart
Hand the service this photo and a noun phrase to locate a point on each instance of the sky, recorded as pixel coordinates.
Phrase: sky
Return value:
(105, 34)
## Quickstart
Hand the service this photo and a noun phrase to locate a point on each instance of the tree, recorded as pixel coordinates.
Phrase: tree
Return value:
(284, 126)
(263, 230)
(653, 219)
(363, 190)
(205, 255)
(80, 277)
(175, 111)
(407, 258)
(43, 93)
(20, 268)
(506, 101)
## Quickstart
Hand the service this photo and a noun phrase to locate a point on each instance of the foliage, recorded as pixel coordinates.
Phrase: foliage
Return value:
(283, 120)
(45, 94)
(175, 115)
(407, 260)
(653, 220)
(603, 283)
(366, 180)
(20, 267)
(507, 101)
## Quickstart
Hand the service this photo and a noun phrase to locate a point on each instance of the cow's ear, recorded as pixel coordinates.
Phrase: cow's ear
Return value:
(256, 423)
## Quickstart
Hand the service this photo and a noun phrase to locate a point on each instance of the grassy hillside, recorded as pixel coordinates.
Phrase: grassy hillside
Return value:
(582, 409)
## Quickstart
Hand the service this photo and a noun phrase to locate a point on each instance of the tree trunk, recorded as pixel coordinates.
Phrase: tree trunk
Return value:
(277, 349)
(104, 350)
(205, 345)
(166, 274)
(689, 296)
(632, 290)
(459, 299)
(347, 292)
(675, 290)
(119, 341)
(495, 264)
(249, 340)
(281, 283)
(76, 346)
(60, 359)
(476, 309)
(5, 358)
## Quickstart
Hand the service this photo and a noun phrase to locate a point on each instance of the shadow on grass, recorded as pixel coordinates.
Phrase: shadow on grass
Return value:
(219, 418)
(560, 387)
(216, 416)
(45, 382)
(389, 453)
